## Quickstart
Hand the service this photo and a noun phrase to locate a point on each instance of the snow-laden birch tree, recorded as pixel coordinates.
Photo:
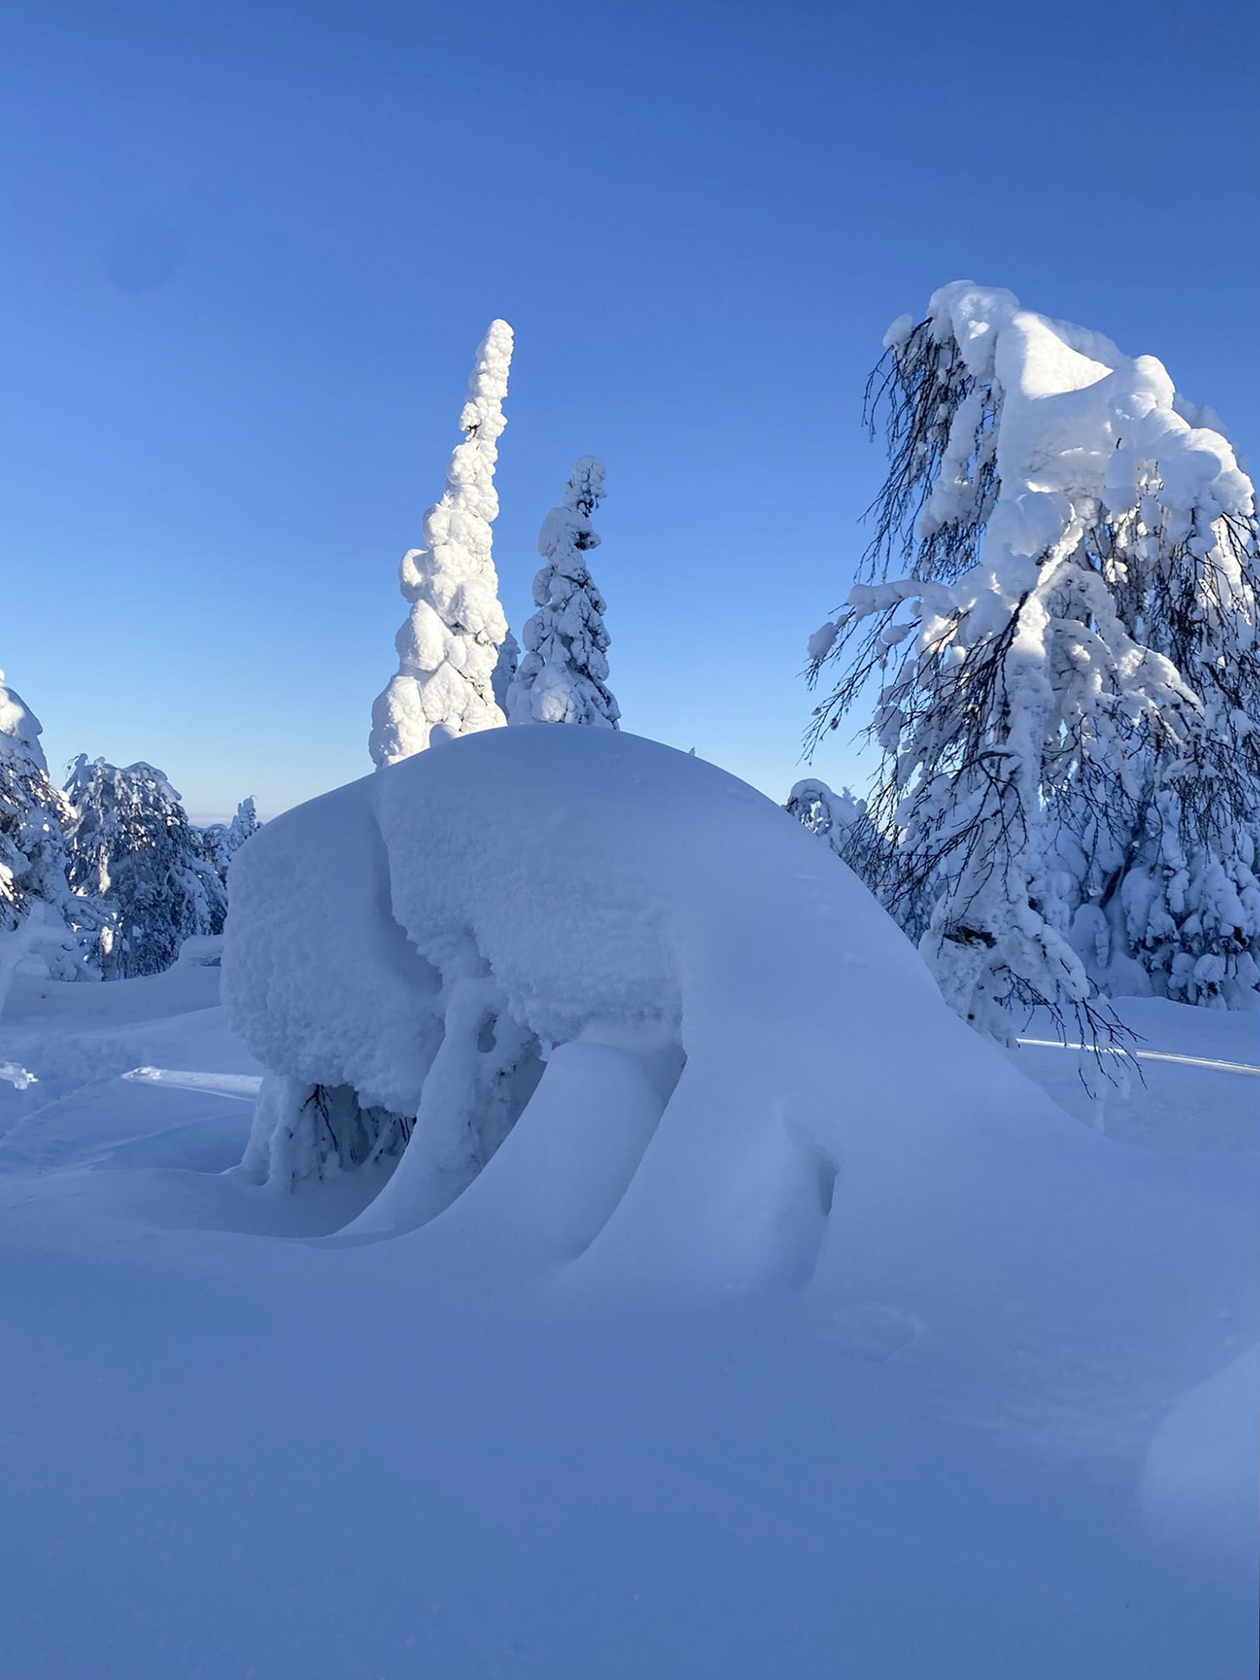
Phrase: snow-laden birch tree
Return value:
(563, 677)
(1059, 609)
(448, 645)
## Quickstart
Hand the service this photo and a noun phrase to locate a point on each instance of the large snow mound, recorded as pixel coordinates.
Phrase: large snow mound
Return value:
(779, 1093)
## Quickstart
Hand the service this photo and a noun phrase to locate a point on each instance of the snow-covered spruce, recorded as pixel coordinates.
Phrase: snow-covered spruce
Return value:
(1060, 607)
(131, 844)
(448, 646)
(563, 677)
(41, 920)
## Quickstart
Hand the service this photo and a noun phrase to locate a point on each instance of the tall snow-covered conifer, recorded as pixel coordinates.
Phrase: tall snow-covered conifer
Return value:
(449, 644)
(563, 677)
(40, 917)
(1060, 608)
(132, 845)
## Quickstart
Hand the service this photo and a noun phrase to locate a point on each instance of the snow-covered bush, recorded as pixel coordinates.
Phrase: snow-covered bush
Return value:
(41, 919)
(1060, 609)
(132, 845)
(448, 647)
(563, 677)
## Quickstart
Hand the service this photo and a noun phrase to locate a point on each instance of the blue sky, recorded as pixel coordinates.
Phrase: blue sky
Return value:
(253, 246)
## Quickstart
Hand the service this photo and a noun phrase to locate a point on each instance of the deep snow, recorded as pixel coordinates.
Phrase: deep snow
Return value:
(1004, 1429)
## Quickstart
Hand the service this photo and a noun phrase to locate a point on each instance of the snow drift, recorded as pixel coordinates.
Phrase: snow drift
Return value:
(600, 999)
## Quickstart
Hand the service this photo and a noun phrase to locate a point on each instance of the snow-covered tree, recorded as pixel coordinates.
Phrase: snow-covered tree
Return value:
(841, 820)
(1190, 911)
(563, 677)
(131, 843)
(504, 670)
(40, 917)
(448, 646)
(222, 841)
(1059, 608)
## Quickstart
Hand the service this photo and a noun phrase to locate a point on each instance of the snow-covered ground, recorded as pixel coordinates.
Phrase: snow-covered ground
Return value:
(1006, 1429)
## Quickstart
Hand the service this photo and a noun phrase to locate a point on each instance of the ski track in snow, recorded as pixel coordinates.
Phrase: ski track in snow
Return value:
(1146, 1055)
(241, 1087)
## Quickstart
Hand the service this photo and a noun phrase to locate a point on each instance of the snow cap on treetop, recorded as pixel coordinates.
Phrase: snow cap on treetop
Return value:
(19, 727)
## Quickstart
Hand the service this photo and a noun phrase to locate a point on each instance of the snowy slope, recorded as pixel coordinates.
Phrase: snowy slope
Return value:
(1002, 1430)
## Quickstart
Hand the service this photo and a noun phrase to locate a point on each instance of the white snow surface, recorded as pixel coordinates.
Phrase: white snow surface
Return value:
(848, 1351)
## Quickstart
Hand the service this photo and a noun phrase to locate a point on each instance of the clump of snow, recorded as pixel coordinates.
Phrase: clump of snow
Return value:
(822, 641)
(898, 331)
(448, 646)
(20, 729)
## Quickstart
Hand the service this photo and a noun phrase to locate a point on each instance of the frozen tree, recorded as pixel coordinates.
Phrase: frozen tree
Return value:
(1189, 912)
(41, 919)
(504, 670)
(841, 820)
(132, 845)
(223, 840)
(448, 646)
(1059, 610)
(563, 677)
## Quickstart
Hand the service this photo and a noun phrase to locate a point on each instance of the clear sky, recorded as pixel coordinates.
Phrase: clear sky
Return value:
(250, 249)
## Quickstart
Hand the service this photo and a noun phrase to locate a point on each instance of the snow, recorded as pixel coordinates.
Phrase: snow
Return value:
(840, 1349)
(822, 641)
(1203, 1468)
(20, 729)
